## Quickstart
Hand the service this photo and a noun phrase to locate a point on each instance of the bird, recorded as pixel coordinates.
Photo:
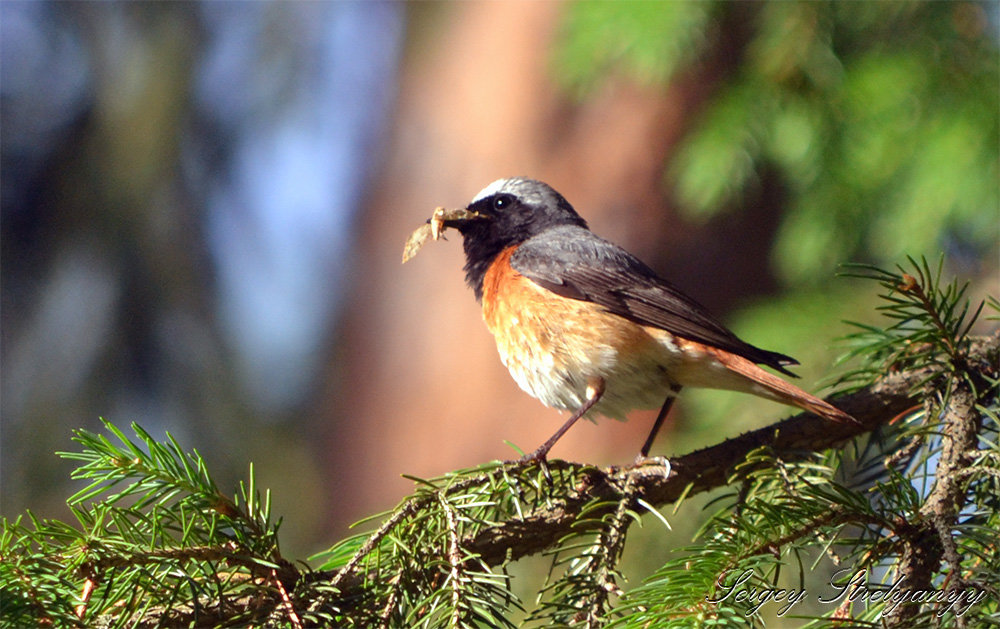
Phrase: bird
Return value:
(585, 326)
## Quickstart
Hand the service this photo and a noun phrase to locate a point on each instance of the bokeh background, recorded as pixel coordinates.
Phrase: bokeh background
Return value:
(204, 206)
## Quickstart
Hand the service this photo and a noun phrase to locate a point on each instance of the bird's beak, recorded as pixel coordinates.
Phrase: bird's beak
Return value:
(455, 219)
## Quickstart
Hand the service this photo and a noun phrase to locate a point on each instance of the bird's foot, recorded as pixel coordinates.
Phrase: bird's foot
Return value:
(539, 457)
(641, 460)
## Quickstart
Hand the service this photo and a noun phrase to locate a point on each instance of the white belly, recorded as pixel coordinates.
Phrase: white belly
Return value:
(555, 362)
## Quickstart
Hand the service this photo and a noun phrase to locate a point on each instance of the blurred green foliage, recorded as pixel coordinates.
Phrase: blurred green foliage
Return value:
(880, 119)
(600, 36)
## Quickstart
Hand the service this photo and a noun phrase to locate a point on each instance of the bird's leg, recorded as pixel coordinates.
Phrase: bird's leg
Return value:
(662, 415)
(595, 389)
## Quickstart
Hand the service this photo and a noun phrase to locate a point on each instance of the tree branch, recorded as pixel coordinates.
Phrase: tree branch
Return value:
(932, 540)
(689, 474)
(703, 469)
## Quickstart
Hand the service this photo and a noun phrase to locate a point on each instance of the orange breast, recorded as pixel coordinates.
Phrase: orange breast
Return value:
(552, 345)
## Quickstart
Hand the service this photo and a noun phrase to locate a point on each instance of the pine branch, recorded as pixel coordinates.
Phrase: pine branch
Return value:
(160, 545)
(711, 467)
(695, 472)
(473, 530)
(933, 540)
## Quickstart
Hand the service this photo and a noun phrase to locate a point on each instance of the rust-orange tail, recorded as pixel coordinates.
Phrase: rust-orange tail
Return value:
(780, 390)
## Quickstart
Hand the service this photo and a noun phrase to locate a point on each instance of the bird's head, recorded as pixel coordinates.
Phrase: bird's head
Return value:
(506, 213)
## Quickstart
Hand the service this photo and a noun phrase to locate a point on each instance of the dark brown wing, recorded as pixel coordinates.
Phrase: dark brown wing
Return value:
(571, 261)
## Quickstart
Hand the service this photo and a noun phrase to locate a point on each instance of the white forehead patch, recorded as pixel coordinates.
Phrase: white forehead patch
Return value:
(491, 189)
(528, 190)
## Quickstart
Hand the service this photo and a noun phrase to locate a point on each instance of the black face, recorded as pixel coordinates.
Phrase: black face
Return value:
(511, 211)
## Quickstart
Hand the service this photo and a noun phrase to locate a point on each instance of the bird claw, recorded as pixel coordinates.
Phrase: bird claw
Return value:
(660, 461)
(539, 458)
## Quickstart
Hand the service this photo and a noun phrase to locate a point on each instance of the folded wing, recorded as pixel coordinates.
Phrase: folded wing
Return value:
(573, 262)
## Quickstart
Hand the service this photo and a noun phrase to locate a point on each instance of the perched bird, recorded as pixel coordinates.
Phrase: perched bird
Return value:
(585, 326)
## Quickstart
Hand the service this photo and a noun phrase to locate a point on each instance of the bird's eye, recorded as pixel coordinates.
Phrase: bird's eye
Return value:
(502, 201)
